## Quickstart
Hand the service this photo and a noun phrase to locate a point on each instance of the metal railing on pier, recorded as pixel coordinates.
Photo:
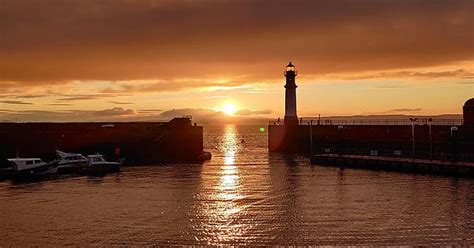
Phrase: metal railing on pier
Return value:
(396, 153)
(367, 122)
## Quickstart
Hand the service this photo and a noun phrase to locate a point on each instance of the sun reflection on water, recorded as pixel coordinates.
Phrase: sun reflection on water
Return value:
(222, 183)
(230, 145)
(228, 187)
(226, 197)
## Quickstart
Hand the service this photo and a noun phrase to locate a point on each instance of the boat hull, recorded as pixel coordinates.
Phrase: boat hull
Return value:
(70, 170)
(10, 173)
(102, 168)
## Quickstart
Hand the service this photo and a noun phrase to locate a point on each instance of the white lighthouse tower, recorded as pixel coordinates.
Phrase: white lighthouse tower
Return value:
(291, 117)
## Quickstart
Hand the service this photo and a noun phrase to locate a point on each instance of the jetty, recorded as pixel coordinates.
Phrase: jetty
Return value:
(178, 140)
(425, 144)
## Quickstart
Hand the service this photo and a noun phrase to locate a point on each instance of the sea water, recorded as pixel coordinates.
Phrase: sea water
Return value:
(243, 195)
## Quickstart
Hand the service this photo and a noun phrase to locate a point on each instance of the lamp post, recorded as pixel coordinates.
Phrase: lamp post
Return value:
(454, 130)
(311, 137)
(430, 121)
(341, 142)
(413, 120)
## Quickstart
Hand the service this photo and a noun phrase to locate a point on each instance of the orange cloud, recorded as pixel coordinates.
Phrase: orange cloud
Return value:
(53, 42)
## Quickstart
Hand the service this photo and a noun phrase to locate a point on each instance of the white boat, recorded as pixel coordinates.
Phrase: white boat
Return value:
(27, 166)
(70, 162)
(97, 164)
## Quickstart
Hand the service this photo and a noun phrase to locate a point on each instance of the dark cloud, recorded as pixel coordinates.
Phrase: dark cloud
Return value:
(83, 97)
(134, 40)
(246, 112)
(170, 85)
(60, 104)
(6, 111)
(37, 115)
(195, 113)
(403, 110)
(16, 102)
(114, 112)
(77, 98)
(391, 86)
(459, 73)
(149, 110)
(121, 103)
(438, 74)
(29, 96)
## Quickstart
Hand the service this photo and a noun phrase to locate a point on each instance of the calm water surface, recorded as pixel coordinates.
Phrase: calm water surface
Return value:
(243, 195)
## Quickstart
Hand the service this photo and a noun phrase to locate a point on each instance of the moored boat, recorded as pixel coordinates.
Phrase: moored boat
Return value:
(69, 163)
(98, 165)
(27, 167)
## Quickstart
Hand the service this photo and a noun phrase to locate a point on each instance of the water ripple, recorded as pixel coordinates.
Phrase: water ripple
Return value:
(244, 195)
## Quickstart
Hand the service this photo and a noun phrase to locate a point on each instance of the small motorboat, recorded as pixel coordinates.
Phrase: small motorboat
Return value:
(27, 167)
(70, 163)
(98, 165)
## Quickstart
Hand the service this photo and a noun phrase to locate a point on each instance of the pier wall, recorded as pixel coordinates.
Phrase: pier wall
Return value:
(464, 169)
(385, 139)
(137, 142)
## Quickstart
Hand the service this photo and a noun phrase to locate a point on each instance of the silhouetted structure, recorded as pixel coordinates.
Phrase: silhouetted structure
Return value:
(468, 112)
(396, 164)
(137, 142)
(291, 118)
(422, 138)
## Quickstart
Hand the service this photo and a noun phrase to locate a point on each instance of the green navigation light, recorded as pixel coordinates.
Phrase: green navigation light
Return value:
(262, 129)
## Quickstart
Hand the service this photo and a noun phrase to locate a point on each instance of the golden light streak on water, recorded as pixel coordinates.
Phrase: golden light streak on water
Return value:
(229, 183)
(220, 207)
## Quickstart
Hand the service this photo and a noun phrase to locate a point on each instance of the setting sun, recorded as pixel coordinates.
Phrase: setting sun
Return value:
(229, 109)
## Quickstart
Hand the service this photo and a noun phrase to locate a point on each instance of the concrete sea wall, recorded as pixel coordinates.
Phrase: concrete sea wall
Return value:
(386, 140)
(137, 142)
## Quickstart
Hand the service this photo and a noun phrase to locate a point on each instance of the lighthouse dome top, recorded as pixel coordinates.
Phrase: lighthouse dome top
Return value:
(290, 67)
(469, 103)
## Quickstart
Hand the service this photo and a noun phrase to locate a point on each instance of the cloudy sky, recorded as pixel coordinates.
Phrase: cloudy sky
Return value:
(132, 59)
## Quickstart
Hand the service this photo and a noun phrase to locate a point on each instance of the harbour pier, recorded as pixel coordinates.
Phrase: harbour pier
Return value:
(416, 143)
(137, 142)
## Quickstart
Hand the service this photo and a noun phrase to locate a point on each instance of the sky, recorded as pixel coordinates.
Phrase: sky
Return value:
(83, 60)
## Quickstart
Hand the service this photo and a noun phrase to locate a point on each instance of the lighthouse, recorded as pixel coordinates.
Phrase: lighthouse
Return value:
(291, 118)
